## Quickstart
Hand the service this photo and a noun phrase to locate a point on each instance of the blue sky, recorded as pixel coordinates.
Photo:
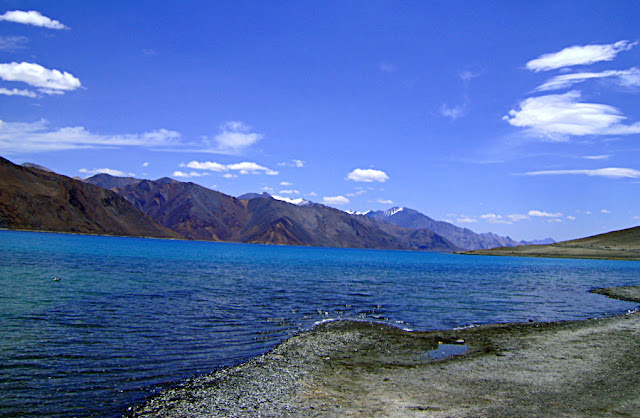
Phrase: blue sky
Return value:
(519, 118)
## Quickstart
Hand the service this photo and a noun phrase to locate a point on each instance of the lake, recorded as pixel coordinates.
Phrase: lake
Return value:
(130, 316)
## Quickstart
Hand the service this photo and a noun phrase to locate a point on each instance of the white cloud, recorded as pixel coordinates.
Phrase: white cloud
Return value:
(289, 192)
(109, 171)
(17, 137)
(571, 218)
(605, 211)
(368, 175)
(49, 81)
(242, 168)
(285, 183)
(557, 115)
(251, 168)
(466, 220)
(145, 164)
(190, 174)
(230, 176)
(31, 17)
(454, 112)
(385, 201)
(579, 55)
(234, 137)
(554, 220)
(493, 218)
(543, 214)
(610, 172)
(18, 92)
(206, 165)
(335, 200)
(626, 78)
(12, 43)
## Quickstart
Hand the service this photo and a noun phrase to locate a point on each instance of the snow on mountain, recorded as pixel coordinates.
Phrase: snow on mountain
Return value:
(298, 202)
(355, 212)
(392, 211)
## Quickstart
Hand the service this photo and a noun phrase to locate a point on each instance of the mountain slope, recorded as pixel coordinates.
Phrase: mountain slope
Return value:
(619, 245)
(191, 210)
(461, 237)
(34, 199)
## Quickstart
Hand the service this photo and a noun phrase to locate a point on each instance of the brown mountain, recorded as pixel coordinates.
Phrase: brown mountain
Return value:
(35, 199)
(200, 213)
(617, 245)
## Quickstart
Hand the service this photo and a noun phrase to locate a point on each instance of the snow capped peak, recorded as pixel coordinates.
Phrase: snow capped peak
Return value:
(355, 212)
(392, 211)
(298, 202)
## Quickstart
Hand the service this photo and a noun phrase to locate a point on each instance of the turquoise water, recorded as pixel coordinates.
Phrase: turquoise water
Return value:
(130, 316)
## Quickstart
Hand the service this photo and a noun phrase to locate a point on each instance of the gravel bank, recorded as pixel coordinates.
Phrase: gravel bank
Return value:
(586, 368)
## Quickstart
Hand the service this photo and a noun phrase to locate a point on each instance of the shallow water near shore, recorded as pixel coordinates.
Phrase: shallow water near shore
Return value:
(131, 315)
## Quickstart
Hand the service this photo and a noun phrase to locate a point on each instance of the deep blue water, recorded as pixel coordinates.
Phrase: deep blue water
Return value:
(130, 316)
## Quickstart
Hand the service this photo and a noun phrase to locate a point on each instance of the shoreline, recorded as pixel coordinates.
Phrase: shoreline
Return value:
(552, 251)
(586, 367)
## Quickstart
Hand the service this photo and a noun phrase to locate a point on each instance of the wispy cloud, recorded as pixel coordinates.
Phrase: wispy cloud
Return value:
(17, 137)
(18, 92)
(31, 17)
(466, 220)
(289, 191)
(453, 112)
(367, 175)
(385, 67)
(610, 172)
(579, 55)
(48, 81)
(182, 174)
(293, 163)
(625, 78)
(110, 171)
(557, 116)
(385, 201)
(596, 157)
(241, 168)
(12, 43)
(335, 200)
(493, 218)
(605, 211)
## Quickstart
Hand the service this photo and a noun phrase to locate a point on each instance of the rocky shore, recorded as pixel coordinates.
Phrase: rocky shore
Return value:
(585, 368)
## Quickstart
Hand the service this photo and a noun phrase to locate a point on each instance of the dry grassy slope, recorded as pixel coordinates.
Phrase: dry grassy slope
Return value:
(617, 245)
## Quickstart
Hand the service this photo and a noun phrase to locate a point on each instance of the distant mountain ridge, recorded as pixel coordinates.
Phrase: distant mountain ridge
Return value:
(200, 213)
(461, 237)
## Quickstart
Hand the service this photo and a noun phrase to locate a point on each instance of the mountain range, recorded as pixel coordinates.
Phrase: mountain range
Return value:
(461, 237)
(33, 197)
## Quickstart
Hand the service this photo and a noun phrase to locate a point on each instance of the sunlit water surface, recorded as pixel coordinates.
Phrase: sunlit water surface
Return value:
(130, 316)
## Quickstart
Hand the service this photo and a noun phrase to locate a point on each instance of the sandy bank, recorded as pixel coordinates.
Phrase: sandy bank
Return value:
(585, 368)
